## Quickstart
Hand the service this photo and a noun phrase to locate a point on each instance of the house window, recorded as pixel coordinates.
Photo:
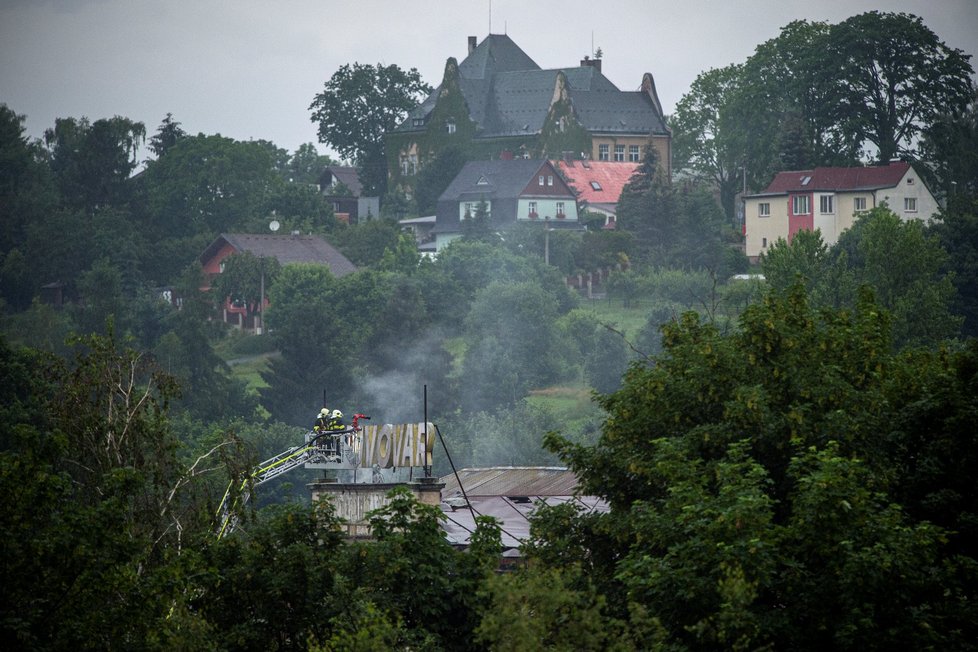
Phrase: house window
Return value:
(859, 203)
(633, 153)
(533, 209)
(405, 168)
(451, 127)
(764, 243)
(910, 181)
(602, 152)
(619, 153)
(418, 122)
(550, 179)
(413, 160)
(764, 209)
(799, 204)
(336, 207)
(825, 204)
(541, 180)
(910, 204)
(469, 209)
(560, 208)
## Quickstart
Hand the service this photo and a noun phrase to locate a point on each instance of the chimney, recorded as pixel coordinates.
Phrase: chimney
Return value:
(472, 43)
(505, 155)
(594, 63)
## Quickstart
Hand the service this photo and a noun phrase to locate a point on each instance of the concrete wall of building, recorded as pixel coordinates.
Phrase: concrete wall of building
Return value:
(353, 502)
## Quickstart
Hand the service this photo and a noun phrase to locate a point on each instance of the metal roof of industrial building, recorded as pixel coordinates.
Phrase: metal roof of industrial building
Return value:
(509, 494)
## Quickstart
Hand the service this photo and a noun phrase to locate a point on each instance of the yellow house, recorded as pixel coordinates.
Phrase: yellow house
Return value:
(830, 200)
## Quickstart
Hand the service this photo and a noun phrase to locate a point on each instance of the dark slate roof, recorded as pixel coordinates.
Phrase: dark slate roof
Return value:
(509, 94)
(603, 111)
(836, 179)
(347, 176)
(497, 53)
(504, 179)
(286, 249)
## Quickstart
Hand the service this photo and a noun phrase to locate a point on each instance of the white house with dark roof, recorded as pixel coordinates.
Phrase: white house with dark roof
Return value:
(830, 200)
(514, 191)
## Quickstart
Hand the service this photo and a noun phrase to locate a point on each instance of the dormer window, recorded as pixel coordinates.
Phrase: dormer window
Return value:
(450, 127)
(418, 122)
(482, 181)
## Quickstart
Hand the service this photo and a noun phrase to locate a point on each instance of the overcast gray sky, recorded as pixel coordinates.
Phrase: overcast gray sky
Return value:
(249, 69)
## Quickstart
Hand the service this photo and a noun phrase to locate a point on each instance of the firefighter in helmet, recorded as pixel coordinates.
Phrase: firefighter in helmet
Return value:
(322, 422)
(335, 422)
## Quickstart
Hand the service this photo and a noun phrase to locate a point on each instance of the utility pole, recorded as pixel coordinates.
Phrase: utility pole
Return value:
(261, 297)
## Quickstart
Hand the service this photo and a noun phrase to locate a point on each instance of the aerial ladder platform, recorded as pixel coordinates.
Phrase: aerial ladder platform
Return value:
(331, 449)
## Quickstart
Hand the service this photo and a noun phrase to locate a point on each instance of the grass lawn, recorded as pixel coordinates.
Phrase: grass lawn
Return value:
(249, 369)
(628, 320)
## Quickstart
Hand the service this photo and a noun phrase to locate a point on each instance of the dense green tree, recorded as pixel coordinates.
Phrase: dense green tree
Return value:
(92, 161)
(781, 107)
(414, 575)
(766, 487)
(27, 190)
(297, 207)
(208, 184)
(167, 135)
(647, 210)
(307, 164)
(906, 268)
(357, 106)
(605, 363)
(100, 506)
(365, 244)
(890, 77)
(477, 226)
(806, 257)
(513, 344)
(435, 176)
(958, 234)
(243, 278)
(101, 299)
(321, 324)
(277, 584)
(705, 138)
(16, 280)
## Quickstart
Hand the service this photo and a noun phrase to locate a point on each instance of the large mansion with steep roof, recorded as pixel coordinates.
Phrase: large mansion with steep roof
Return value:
(498, 104)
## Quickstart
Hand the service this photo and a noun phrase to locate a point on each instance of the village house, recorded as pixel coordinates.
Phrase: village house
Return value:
(513, 191)
(598, 185)
(286, 249)
(830, 200)
(340, 186)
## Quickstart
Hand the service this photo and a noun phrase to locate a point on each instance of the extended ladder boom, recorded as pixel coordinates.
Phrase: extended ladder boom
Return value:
(312, 451)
